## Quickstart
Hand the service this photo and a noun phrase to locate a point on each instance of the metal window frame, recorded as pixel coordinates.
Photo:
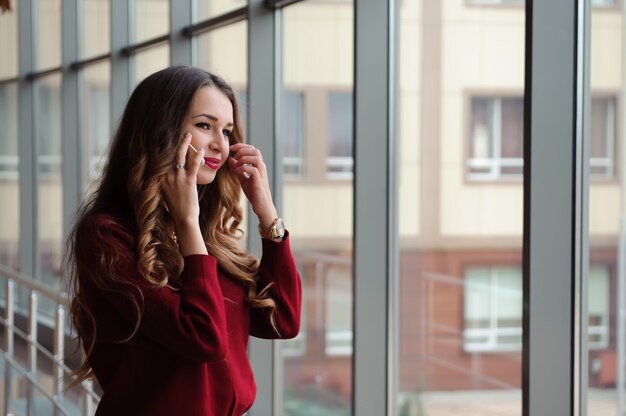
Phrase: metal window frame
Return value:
(28, 252)
(73, 170)
(264, 87)
(555, 244)
(375, 223)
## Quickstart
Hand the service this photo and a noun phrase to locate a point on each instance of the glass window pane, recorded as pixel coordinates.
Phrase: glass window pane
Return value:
(50, 189)
(292, 133)
(606, 290)
(223, 51)
(339, 162)
(151, 60)
(460, 234)
(152, 19)
(9, 177)
(96, 27)
(317, 125)
(211, 8)
(96, 117)
(9, 45)
(48, 34)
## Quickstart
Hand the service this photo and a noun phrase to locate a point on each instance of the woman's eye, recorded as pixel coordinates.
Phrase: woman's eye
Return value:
(227, 133)
(204, 126)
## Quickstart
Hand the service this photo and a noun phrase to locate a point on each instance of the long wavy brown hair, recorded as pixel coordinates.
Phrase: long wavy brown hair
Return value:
(142, 151)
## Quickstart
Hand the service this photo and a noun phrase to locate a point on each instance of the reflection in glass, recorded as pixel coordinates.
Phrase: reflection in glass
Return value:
(50, 188)
(152, 19)
(96, 27)
(460, 209)
(9, 178)
(9, 45)
(606, 288)
(316, 142)
(48, 34)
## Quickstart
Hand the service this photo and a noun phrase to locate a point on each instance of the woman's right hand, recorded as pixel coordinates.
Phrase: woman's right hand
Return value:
(181, 196)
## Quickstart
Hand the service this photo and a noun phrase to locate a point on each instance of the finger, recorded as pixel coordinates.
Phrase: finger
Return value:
(196, 161)
(242, 149)
(250, 160)
(246, 172)
(181, 153)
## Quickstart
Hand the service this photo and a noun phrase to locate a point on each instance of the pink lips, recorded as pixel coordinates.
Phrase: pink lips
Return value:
(212, 162)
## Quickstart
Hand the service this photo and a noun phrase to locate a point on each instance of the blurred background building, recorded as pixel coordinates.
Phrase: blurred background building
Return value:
(67, 67)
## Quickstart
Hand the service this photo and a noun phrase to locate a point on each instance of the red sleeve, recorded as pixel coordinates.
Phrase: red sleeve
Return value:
(278, 267)
(189, 321)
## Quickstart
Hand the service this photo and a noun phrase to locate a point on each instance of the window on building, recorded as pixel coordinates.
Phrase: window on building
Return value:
(496, 138)
(602, 138)
(291, 129)
(493, 308)
(598, 307)
(8, 133)
(292, 125)
(339, 162)
(338, 310)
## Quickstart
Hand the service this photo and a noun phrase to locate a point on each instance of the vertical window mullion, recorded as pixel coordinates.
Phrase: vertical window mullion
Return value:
(264, 75)
(555, 210)
(497, 136)
(375, 163)
(71, 112)
(28, 256)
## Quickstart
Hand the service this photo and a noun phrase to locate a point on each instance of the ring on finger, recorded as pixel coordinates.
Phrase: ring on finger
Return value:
(180, 166)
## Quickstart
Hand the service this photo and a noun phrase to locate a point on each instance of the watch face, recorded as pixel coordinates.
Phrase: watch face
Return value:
(280, 227)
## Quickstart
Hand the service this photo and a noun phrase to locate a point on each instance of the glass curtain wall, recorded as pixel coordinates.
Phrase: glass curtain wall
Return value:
(96, 27)
(49, 181)
(9, 159)
(606, 291)
(460, 186)
(9, 176)
(47, 131)
(96, 133)
(207, 9)
(152, 19)
(316, 143)
(460, 208)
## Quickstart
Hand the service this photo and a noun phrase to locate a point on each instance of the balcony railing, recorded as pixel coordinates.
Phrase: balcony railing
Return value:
(27, 388)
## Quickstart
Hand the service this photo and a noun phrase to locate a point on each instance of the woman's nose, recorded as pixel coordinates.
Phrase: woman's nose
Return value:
(215, 144)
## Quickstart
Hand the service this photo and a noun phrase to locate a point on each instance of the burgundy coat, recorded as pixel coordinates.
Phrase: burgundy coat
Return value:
(189, 356)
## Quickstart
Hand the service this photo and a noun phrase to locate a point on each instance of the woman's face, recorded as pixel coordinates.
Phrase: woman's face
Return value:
(210, 122)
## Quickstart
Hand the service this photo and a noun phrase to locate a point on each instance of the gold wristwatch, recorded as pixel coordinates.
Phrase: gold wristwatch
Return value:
(276, 230)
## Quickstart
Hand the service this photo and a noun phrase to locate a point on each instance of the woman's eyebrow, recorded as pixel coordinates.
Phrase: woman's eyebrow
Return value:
(210, 117)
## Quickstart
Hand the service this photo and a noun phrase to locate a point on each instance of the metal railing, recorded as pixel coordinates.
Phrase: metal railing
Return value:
(14, 369)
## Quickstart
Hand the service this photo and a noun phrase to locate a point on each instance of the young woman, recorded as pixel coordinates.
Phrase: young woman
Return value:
(163, 297)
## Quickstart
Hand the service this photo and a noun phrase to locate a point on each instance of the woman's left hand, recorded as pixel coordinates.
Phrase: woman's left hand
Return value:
(247, 164)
